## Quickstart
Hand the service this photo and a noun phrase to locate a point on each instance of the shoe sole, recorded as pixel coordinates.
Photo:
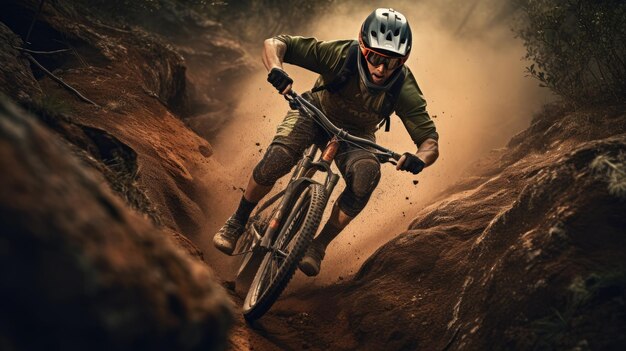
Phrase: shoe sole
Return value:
(225, 249)
(308, 268)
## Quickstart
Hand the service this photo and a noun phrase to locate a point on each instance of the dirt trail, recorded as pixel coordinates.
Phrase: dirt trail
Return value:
(524, 253)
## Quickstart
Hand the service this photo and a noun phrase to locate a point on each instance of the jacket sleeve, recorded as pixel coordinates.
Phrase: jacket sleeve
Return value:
(322, 57)
(411, 108)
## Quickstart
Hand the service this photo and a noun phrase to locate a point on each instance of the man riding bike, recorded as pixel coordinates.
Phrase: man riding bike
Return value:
(356, 100)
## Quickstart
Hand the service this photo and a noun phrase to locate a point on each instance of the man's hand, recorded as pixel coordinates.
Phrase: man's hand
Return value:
(280, 80)
(410, 163)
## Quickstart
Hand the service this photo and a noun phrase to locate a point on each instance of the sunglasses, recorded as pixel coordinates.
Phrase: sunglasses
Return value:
(376, 59)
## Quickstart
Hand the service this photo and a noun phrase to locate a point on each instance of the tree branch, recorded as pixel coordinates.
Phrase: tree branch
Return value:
(41, 52)
(59, 80)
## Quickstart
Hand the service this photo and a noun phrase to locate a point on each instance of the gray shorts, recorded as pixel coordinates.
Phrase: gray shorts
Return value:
(359, 168)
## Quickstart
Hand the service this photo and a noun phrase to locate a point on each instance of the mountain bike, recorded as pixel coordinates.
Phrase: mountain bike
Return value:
(281, 229)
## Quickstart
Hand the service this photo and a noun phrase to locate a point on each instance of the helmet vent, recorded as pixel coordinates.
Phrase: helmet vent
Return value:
(388, 31)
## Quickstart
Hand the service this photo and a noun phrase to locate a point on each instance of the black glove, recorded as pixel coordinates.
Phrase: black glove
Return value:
(412, 163)
(279, 79)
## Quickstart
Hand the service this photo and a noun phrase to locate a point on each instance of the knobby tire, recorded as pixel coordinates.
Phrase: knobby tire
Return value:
(272, 283)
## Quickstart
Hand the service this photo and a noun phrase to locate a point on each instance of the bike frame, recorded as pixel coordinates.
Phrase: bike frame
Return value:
(275, 243)
(306, 169)
(302, 175)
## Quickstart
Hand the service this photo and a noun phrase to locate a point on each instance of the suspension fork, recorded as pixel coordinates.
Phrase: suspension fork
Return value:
(303, 165)
(306, 169)
(327, 157)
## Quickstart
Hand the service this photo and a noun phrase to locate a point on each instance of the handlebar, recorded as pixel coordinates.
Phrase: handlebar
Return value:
(297, 102)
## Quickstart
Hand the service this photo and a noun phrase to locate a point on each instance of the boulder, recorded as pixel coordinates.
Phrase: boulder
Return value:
(81, 271)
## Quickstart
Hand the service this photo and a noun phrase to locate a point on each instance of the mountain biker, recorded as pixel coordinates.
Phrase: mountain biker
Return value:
(356, 105)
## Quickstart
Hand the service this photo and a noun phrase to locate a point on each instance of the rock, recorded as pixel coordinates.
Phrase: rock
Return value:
(80, 271)
(140, 78)
(531, 250)
(525, 252)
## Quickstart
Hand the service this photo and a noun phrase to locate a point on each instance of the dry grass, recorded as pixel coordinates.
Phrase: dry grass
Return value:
(613, 171)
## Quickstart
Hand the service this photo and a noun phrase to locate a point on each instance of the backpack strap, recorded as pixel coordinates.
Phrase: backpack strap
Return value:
(390, 100)
(348, 68)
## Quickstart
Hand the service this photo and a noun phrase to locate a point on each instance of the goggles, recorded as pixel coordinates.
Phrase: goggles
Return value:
(376, 59)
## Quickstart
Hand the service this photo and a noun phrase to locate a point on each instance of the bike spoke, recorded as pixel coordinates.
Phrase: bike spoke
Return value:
(274, 269)
(280, 254)
(277, 258)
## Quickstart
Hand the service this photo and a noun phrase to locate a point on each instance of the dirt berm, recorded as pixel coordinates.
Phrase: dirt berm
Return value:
(138, 136)
(526, 253)
(94, 198)
(80, 271)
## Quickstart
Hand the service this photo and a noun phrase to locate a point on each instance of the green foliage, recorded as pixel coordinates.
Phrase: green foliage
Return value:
(557, 329)
(52, 105)
(578, 47)
(121, 174)
(51, 108)
(256, 20)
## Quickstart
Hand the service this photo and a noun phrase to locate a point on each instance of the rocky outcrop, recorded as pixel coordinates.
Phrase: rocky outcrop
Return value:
(139, 80)
(80, 270)
(216, 63)
(218, 66)
(525, 255)
(65, 25)
(192, 63)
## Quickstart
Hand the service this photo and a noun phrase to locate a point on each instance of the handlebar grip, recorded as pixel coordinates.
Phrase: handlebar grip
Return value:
(291, 98)
(297, 102)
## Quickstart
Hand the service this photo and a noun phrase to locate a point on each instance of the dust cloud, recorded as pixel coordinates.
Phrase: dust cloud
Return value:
(468, 65)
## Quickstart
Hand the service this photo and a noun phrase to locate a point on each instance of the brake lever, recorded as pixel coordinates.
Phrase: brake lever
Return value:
(386, 158)
(291, 98)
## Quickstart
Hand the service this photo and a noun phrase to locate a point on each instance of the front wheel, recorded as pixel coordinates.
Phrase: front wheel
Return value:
(281, 260)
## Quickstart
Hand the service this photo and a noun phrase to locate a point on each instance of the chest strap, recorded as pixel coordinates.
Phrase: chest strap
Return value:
(390, 101)
(348, 69)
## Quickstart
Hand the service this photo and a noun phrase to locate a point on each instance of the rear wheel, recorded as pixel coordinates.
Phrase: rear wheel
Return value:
(281, 261)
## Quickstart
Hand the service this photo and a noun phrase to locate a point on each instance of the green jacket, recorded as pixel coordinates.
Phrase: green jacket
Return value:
(354, 108)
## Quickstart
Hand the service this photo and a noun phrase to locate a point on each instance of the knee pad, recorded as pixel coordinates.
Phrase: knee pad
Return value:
(361, 180)
(277, 161)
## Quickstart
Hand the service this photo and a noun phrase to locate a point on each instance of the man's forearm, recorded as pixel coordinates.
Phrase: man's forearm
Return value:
(428, 151)
(273, 53)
